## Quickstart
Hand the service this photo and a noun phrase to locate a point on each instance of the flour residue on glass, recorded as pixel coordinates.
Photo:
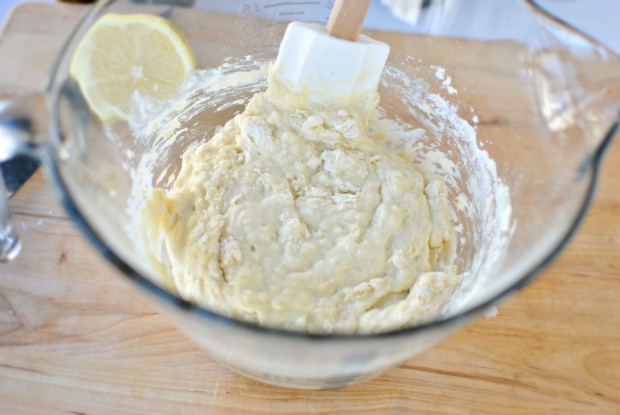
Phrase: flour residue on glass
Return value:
(446, 143)
(168, 128)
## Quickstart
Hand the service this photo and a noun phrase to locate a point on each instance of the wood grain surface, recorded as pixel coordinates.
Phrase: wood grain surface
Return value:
(77, 338)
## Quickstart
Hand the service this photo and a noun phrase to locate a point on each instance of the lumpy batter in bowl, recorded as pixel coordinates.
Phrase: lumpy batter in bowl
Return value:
(292, 217)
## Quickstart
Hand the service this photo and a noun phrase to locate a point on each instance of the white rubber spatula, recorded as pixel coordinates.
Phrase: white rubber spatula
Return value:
(332, 65)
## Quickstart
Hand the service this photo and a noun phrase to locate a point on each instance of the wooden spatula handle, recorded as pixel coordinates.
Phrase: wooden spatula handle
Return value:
(346, 18)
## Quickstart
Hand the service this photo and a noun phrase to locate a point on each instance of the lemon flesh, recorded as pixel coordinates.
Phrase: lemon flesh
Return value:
(123, 54)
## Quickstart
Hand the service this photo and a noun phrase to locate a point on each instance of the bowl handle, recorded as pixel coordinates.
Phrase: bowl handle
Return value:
(9, 239)
(23, 128)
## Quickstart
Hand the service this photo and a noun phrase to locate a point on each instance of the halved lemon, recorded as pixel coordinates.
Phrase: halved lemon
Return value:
(121, 54)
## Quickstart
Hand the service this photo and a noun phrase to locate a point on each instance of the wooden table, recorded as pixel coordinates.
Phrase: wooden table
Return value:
(76, 338)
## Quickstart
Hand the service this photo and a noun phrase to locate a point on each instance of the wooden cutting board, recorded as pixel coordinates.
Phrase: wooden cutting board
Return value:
(76, 338)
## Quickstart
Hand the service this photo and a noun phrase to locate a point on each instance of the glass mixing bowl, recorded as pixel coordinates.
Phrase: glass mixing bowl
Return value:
(521, 104)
